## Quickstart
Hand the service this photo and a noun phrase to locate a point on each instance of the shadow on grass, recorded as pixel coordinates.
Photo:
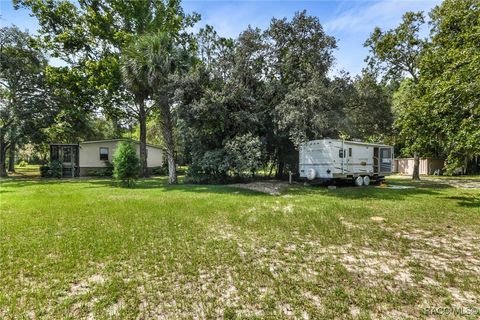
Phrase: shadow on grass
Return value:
(162, 185)
(463, 201)
(434, 184)
(157, 183)
(367, 193)
(344, 191)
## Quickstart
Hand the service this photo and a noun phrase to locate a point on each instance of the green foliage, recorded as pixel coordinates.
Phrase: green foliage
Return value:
(155, 64)
(104, 172)
(44, 171)
(240, 157)
(398, 51)
(26, 102)
(53, 170)
(450, 78)
(126, 163)
(159, 171)
(243, 89)
(212, 166)
(92, 37)
(369, 110)
(245, 153)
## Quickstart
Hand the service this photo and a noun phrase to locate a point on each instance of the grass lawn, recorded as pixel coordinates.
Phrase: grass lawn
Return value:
(85, 248)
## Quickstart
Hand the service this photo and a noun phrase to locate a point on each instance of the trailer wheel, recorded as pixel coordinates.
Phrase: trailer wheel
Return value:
(358, 181)
(366, 180)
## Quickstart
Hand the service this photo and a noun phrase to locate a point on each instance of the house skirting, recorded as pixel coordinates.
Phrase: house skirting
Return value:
(102, 171)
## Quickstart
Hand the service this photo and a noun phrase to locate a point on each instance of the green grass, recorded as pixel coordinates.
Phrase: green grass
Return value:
(85, 247)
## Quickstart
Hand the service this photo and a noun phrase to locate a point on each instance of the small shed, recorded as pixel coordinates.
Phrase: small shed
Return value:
(427, 166)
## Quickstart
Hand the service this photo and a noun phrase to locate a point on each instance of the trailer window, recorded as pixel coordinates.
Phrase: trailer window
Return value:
(341, 153)
(349, 152)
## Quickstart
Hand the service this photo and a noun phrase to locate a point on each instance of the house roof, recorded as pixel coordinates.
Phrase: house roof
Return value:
(105, 140)
(120, 139)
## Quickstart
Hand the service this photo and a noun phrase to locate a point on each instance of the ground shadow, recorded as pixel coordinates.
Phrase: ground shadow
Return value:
(161, 184)
(342, 190)
(464, 201)
(370, 192)
(157, 183)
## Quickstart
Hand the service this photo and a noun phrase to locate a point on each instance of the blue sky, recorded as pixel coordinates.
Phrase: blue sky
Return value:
(350, 22)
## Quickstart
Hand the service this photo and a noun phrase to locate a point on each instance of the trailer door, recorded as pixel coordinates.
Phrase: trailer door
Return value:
(385, 160)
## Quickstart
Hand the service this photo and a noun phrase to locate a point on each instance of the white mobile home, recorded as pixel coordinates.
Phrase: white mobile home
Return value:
(359, 162)
(86, 157)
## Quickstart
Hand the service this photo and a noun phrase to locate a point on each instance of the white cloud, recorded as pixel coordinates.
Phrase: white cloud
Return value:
(386, 14)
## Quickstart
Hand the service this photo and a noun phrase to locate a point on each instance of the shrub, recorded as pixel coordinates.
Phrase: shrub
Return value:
(22, 164)
(240, 157)
(106, 172)
(53, 170)
(56, 169)
(126, 164)
(245, 153)
(211, 167)
(44, 171)
(160, 171)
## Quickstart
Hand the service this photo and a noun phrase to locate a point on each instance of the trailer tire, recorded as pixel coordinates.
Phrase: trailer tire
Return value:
(358, 181)
(366, 180)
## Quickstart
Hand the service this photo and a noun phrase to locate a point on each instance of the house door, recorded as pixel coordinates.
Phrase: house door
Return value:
(385, 160)
(67, 162)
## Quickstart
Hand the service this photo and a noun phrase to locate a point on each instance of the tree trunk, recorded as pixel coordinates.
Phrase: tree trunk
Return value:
(11, 157)
(142, 119)
(416, 167)
(280, 167)
(3, 155)
(167, 132)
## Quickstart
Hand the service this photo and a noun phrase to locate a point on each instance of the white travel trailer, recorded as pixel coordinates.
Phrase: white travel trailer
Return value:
(359, 162)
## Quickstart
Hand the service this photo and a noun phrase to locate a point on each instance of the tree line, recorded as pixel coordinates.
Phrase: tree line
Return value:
(232, 107)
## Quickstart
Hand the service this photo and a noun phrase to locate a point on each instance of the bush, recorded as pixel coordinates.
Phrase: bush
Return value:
(126, 164)
(245, 153)
(159, 171)
(56, 169)
(53, 170)
(44, 171)
(211, 167)
(22, 164)
(239, 158)
(106, 172)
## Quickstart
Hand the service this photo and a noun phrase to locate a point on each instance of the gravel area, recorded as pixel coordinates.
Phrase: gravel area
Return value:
(272, 187)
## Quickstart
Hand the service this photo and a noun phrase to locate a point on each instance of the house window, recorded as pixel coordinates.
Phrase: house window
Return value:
(349, 152)
(104, 154)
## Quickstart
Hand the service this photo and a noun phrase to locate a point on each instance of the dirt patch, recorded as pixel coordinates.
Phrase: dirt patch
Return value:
(84, 286)
(271, 187)
(425, 267)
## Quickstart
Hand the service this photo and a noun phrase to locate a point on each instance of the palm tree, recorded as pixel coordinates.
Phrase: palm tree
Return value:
(134, 71)
(161, 58)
